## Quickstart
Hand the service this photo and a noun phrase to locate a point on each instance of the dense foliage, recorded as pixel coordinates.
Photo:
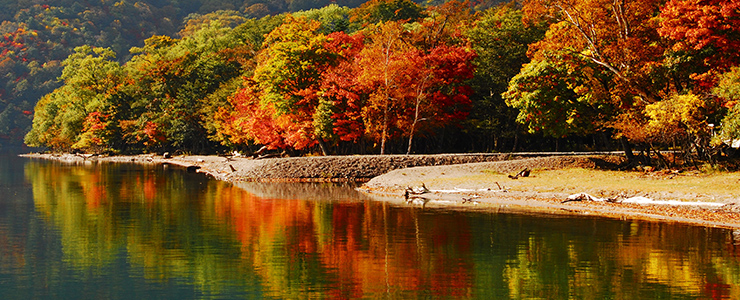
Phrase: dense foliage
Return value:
(328, 78)
(642, 70)
(386, 76)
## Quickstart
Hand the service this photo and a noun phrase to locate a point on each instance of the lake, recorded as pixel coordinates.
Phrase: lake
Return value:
(125, 231)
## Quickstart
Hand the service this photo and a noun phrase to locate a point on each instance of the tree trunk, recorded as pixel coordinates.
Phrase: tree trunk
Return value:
(411, 139)
(413, 127)
(324, 147)
(384, 133)
(627, 149)
(516, 138)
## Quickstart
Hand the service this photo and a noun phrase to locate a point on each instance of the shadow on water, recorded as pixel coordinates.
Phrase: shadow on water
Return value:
(123, 231)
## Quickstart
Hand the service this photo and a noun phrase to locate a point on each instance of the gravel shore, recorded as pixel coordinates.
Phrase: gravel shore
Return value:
(456, 181)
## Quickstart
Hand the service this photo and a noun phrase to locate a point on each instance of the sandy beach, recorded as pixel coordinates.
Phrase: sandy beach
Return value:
(483, 182)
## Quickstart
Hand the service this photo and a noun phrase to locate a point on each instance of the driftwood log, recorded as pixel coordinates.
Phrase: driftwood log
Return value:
(522, 173)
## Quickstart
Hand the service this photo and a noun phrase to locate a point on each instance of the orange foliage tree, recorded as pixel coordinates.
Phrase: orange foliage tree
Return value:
(384, 62)
(409, 85)
(620, 42)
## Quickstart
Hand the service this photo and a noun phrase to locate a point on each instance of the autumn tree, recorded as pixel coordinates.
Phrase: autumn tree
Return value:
(289, 75)
(341, 94)
(383, 64)
(316, 104)
(247, 121)
(440, 94)
(683, 118)
(616, 35)
(77, 115)
(408, 85)
(705, 36)
(707, 30)
(179, 84)
(620, 38)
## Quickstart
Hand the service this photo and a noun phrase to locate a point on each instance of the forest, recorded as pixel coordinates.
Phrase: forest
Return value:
(384, 76)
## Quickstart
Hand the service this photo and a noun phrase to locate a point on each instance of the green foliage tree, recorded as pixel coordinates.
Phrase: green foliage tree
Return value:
(375, 11)
(71, 116)
(333, 18)
(552, 98)
(728, 89)
(179, 84)
(195, 22)
(500, 37)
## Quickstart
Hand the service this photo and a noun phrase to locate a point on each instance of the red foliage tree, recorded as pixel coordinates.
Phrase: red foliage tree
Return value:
(340, 85)
(704, 24)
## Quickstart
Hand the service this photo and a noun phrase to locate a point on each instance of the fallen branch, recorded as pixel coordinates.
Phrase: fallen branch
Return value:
(640, 200)
(416, 191)
(412, 195)
(470, 200)
(522, 173)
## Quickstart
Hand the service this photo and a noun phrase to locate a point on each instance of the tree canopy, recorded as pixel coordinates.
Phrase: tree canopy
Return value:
(388, 76)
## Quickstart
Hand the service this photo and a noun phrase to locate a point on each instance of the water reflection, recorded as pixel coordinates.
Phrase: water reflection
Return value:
(167, 234)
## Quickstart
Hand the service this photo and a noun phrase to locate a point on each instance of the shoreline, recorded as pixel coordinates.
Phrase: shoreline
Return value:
(350, 168)
(462, 182)
(485, 186)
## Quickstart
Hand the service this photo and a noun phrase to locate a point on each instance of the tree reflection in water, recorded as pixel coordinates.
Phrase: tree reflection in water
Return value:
(322, 240)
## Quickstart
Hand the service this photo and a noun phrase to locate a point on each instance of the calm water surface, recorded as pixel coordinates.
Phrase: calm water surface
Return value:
(117, 231)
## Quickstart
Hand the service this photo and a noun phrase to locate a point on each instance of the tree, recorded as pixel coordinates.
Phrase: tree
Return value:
(340, 86)
(443, 24)
(249, 121)
(728, 90)
(553, 98)
(196, 22)
(333, 18)
(178, 85)
(75, 115)
(440, 93)
(616, 35)
(621, 38)
(375, 11)
(709, 25)
(409, 85)
(500, 39)
(383, 65)
(289, 76)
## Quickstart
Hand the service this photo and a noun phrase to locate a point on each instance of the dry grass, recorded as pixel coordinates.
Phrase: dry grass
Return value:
(610, 183)
(559, 177)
